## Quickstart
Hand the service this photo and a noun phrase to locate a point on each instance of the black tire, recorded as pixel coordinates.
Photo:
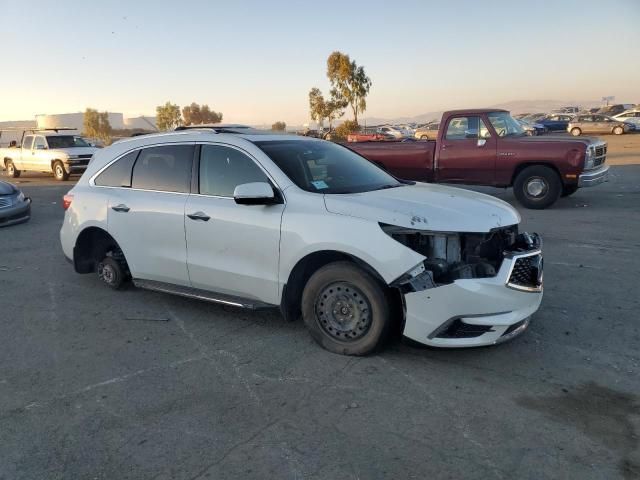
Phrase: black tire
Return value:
(424, 137)
(537, 187)
(59, 171)
(568, 190)
(358, 318)
(576, 132)
(11, 169)
(618, 130)
(111, 273)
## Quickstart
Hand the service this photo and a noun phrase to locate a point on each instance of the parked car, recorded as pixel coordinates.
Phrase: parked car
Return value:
(307, 226)
(488, 147)
(532, 129)
(555, 123)
(534, 117)
(48, 151)
(14, 206)
(571, 110)
(428, 131)
(611, 110)
(629, 116)
(395, 132)
(598, 124)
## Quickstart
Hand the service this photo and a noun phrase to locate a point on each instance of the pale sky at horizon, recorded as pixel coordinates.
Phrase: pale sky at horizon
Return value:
(256, 61)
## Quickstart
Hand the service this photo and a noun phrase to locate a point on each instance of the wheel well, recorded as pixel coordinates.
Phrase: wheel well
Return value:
(58, 160)
(92, 245)
(522, 166)
(307, 266)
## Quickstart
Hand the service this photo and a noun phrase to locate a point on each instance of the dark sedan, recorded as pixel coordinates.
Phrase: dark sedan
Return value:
(14, 206)
(555, 123)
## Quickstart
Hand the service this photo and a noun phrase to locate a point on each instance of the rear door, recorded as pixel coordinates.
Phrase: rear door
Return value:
(467, 152)
(232, 249)
(23, 160)
(602, 124)
(146, 210)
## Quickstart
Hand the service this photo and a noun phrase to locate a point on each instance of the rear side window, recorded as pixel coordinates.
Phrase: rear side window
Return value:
(166, 168)
(222, 169)
(27, 142)
(118, 174)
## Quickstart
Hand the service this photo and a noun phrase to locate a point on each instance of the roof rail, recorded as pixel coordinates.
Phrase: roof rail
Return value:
(53, 129)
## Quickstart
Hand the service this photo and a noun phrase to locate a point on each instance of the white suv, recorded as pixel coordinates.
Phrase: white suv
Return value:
(262, 220)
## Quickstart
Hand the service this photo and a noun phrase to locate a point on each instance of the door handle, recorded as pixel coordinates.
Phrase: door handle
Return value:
(120, 208)
(199, 216)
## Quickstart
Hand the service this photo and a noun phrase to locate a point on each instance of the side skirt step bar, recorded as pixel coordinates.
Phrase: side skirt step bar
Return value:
(201, 294)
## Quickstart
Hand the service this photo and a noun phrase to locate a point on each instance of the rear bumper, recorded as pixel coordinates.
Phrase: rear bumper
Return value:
(15, 214)
(594, 177)
(471, 312)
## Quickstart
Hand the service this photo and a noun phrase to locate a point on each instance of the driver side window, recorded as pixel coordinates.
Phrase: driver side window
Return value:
(465, 128)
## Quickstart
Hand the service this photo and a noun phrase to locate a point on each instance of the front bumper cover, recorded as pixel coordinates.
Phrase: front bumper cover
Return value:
(594, 177)
(489, 304)
(16, 213)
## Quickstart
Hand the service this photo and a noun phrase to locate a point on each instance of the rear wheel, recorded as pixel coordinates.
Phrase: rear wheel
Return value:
(618, 130)
(537, 187)
(11, 169)
(345, 309)
(569, 190)
(59, 172)
(424, 137)
(576, 132)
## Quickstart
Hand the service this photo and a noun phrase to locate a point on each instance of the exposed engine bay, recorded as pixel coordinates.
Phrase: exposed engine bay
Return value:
(453, 256)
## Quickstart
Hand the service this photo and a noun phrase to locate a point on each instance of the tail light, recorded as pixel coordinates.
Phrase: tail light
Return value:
(66, 201)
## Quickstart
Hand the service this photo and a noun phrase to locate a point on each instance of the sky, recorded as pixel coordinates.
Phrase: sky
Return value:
(255, 61)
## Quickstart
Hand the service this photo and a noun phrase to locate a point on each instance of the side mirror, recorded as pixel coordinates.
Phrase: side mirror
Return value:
(482, 142)
(255, 193)
(41, 147)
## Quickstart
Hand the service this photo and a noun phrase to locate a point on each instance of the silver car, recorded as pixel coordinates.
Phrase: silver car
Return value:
(598, 124)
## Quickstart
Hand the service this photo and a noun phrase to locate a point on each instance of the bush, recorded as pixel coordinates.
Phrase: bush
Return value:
(344, 129)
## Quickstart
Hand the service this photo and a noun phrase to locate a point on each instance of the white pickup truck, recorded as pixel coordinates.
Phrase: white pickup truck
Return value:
(47, 151)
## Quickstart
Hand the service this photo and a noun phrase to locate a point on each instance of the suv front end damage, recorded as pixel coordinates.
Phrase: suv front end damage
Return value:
(472, 289)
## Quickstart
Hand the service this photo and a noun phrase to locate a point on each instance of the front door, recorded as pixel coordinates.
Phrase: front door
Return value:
(467, 153)
(147, 218)
(232, 249)
(40, 157)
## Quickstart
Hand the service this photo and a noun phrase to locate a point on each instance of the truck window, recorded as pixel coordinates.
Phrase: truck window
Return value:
(39, 143)
(462, 128)
(27, 142)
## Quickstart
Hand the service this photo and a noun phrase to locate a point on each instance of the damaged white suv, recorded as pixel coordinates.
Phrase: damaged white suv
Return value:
(257, 220)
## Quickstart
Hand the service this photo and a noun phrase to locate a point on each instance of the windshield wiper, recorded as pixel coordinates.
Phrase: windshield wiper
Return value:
(384, 187)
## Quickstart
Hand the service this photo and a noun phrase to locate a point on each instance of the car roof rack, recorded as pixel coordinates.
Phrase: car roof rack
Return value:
(20, 129)
(225, 128)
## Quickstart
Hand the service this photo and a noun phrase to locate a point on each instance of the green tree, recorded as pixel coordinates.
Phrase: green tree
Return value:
(349, 82)
(96, 125)
(279, 127)
(195, 114)
(321, 109)
(168, 116)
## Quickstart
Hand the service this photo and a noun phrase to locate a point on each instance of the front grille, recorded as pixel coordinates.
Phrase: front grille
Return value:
(459, 329)
(601, 150)
(85, 156)
(5, 202)
(527, 273)
(599, 155)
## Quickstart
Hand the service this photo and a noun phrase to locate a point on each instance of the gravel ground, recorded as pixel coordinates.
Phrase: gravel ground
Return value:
(99, 384)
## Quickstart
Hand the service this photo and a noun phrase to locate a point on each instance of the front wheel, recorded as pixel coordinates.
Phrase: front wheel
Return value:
(537, 187)
(618, 131)
(59, 172)
(111, 273)
(345, 309)
(576, 132)
(11, 170)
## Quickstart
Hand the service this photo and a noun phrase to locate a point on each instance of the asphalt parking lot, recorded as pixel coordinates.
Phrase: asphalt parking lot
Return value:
(99, 384)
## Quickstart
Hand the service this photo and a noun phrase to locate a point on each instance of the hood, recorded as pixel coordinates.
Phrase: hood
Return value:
(74, 150)
(427, 207)
(7, 188)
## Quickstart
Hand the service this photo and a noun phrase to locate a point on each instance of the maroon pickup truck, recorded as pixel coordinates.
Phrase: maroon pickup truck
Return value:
(488, 147)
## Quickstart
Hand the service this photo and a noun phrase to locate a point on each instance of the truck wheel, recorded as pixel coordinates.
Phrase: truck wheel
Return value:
(59, 172)
(424, 137)
(345, 309)
(537, 187)
(568, 190)
(576, 132)
(11, 169)
(618, 130)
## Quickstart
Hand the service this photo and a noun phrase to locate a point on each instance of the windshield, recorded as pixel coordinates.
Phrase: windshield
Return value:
(504, 125)
(66, 141)
(324, 167)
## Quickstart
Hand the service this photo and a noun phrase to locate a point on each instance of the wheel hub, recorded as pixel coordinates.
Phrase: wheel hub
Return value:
(106, 273)
(343, 311)
(536, 187)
